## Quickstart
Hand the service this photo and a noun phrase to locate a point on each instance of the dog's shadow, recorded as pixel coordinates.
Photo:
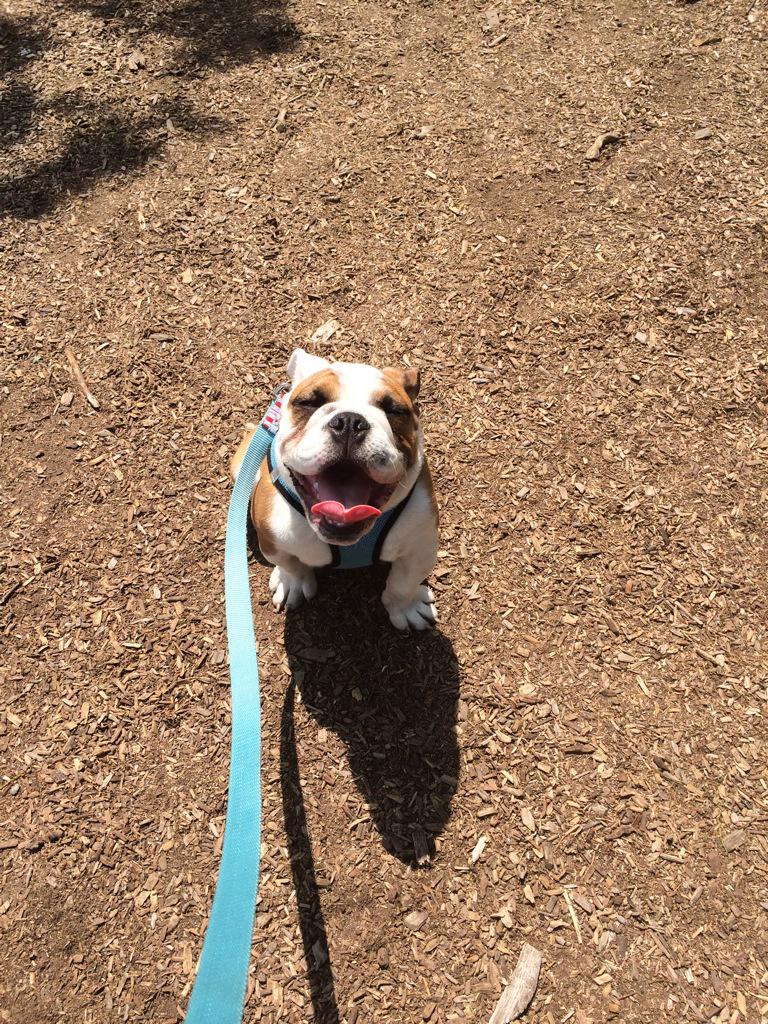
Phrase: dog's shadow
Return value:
(392, 699)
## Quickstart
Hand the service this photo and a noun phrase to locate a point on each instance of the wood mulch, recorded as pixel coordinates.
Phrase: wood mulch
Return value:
(577, 758)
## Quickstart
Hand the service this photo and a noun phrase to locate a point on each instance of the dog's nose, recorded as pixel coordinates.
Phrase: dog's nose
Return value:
(349, 425)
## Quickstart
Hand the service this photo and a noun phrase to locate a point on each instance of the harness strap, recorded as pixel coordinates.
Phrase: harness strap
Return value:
(393, 515)
(290, 496)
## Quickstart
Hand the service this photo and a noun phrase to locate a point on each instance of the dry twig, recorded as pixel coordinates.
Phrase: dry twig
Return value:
(80, 379)
(517, 996)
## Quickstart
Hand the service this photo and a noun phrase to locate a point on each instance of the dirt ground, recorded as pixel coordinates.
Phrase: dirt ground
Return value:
(188, 190)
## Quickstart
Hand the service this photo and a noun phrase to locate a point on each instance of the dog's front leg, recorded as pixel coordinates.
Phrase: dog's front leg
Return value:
(410, 603)
(291, 581)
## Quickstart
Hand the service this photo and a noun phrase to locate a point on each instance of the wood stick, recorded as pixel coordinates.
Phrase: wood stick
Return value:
(517, 996)
(600, 142)
(572, 912)
(79, 378)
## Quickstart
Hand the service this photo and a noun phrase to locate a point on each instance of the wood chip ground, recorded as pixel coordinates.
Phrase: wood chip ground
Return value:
(577, 758)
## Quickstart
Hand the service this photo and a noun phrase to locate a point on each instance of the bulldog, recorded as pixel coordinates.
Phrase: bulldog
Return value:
(346, 483)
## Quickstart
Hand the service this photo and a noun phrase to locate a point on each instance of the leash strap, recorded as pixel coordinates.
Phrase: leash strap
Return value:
(222, 975)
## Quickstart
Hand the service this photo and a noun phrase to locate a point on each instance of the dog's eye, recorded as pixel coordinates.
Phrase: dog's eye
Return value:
(391, 407)
(314, 400)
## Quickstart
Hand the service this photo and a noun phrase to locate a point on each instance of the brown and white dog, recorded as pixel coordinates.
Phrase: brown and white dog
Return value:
(350, 446)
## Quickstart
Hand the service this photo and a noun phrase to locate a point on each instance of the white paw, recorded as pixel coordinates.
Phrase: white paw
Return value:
(418, 614)
(289, 590)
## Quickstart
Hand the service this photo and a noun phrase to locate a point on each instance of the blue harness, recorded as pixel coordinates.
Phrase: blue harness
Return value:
(367, 551)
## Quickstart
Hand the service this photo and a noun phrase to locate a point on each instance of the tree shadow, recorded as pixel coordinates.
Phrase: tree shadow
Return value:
(101, 138)
(20, 41)
(219, 33)
(104, 141)
(392, 699)
(17, 111)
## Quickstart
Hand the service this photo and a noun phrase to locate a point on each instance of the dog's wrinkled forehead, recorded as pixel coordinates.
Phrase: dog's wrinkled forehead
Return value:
(316, 382)
(345, 385)
(317, 390)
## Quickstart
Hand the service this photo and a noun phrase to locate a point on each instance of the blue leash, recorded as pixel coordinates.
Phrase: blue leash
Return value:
(219, 990)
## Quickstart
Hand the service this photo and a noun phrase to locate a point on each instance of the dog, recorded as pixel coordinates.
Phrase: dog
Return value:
(347, 482)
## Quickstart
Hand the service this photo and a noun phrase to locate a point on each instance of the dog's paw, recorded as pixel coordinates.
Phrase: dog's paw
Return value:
(418, 614)
(288, 589)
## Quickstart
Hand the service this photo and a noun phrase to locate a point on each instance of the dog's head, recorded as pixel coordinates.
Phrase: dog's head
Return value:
(350, 442)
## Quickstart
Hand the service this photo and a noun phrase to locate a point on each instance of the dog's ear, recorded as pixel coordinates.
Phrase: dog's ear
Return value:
(302, 364)
(410, 380)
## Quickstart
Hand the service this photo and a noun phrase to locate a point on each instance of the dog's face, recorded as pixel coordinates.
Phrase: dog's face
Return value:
(349, 437)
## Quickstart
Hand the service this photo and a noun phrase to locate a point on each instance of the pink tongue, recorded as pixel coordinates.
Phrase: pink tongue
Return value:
(343, 495)
(335, 510)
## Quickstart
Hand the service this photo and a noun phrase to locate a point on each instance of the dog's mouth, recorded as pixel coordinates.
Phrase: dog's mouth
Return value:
(342, 501)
